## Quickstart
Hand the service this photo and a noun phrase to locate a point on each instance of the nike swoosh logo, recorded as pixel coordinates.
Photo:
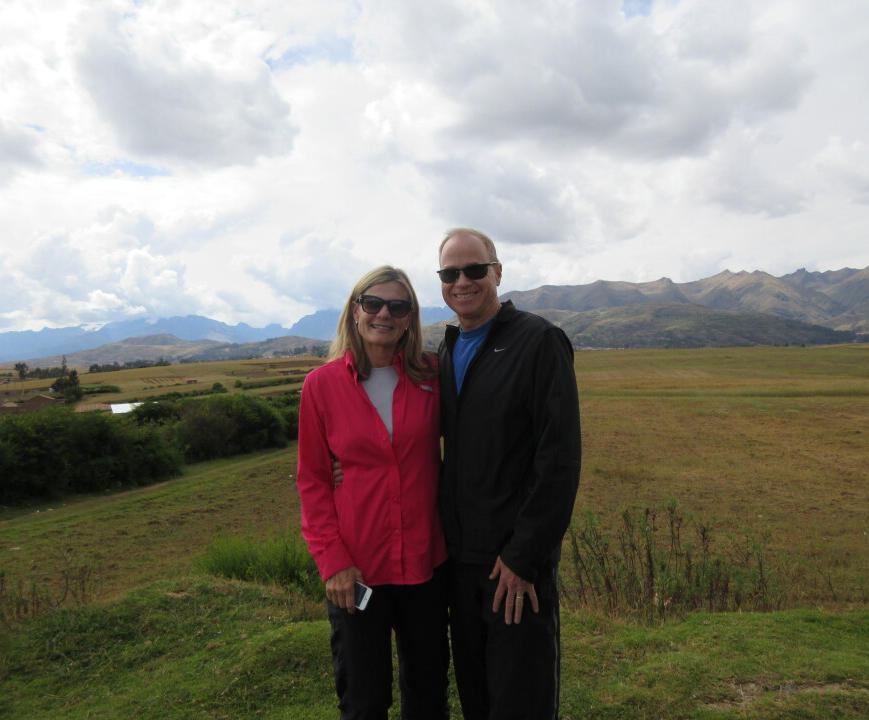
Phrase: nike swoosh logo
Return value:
(498, 349)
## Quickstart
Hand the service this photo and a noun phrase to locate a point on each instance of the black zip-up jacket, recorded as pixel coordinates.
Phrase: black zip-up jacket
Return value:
(511, 445)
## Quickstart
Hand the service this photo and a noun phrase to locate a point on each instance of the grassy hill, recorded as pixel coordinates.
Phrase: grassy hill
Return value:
(764, 446)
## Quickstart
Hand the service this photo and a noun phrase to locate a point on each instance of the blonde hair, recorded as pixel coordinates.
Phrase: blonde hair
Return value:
(482, 237)
(417, 363)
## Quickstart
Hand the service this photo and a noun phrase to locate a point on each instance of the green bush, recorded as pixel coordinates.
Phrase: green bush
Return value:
(31, 457)
(159, 413)
(152, 454)
(287, 405)
(272, 382)
(97, 389)
(224, 425)
(281, 559)
(55, 451)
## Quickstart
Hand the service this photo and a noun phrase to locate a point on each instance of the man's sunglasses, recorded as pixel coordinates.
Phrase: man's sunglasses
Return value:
(372, 305)
(472, 272)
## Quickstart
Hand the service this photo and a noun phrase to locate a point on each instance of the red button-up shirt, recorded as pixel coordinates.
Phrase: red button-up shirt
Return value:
(383, 517)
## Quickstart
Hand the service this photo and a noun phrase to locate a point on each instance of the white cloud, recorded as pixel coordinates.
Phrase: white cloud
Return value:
(18, 148)
(207, 98)
(577, 74)
(249, 161)
(847, 166)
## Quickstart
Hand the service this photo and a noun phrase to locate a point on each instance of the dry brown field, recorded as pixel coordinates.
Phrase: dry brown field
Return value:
(768, 442)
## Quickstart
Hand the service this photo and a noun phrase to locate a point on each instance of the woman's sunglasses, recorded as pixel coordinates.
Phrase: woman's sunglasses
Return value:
(372, 305)
(472, 272)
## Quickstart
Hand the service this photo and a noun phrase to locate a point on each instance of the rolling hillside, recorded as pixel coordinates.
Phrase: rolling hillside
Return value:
(836, 299)
(676, 325)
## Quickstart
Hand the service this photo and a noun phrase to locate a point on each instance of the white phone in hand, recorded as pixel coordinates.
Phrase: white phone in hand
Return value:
(363, 595)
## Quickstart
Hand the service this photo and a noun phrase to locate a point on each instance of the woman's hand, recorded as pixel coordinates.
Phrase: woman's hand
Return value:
(340, 588)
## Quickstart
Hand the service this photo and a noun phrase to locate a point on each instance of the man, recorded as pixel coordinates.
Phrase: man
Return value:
(510, 421)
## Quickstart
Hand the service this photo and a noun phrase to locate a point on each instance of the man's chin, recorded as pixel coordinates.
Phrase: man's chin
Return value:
(463, 305)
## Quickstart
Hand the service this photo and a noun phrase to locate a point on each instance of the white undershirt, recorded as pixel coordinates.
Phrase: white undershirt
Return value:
(380, 385)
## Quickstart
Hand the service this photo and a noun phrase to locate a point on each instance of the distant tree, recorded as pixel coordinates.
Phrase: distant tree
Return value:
(43, 373)
(68, 386)
(21, 368)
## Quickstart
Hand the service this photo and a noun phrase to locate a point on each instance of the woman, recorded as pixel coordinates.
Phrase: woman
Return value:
(375, 408)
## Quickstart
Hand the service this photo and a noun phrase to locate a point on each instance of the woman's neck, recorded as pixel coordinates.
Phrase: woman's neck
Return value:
(380, 356)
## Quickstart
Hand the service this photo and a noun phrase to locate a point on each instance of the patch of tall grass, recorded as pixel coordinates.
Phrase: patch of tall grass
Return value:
(650, 569)
(276, 559)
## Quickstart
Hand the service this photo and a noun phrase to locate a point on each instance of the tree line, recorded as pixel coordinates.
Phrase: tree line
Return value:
(25, 372)
(54, 451)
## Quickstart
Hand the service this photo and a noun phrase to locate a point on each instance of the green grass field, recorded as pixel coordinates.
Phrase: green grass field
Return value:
(764, 440)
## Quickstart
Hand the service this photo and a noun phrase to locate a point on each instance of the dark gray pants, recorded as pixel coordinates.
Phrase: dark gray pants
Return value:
(504, 672)
(362, 652)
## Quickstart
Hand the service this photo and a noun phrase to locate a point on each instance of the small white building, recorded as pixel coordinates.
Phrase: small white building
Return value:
(121, 408)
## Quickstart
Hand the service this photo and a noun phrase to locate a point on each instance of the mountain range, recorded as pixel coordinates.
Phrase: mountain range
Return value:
(837, 299)
(48, 342)
(741, 308)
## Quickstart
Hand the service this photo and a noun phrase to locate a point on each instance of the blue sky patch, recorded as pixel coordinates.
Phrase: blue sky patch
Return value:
(335, 50)
(126, 167)
(636, 7)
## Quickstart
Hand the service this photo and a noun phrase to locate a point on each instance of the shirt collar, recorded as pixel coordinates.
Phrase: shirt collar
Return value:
(350, 363)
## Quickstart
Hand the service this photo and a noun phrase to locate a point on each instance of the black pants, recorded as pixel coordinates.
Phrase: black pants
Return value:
(504, 672)
(362, 652)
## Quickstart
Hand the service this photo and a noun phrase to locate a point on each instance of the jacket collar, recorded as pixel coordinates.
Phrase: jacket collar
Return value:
(507, 312)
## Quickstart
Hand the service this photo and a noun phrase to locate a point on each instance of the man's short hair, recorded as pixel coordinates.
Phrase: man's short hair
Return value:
(486, 240)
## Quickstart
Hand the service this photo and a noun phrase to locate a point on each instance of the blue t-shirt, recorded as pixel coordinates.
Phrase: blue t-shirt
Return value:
(465, 349)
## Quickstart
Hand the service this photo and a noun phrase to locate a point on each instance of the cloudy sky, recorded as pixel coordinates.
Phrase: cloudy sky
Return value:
(248, 160)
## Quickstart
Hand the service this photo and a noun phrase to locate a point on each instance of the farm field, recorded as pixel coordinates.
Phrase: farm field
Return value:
(766, 441)
(143, 383)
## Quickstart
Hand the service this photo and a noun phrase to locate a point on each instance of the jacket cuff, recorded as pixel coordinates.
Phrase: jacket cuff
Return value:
(525, 570)
(333, 560)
